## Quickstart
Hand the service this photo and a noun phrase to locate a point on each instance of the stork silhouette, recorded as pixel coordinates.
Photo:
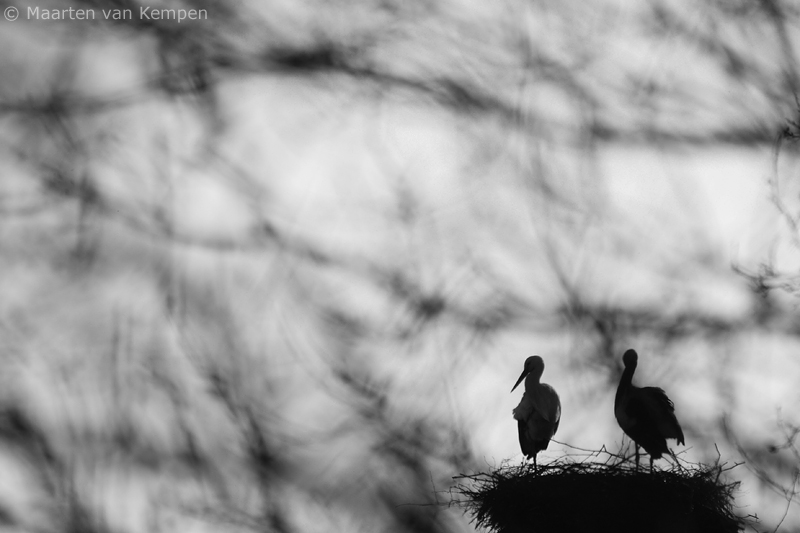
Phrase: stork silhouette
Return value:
(539, 412)
(645, 414)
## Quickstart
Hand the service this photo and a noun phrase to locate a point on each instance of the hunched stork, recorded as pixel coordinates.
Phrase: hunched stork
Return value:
(539, 412)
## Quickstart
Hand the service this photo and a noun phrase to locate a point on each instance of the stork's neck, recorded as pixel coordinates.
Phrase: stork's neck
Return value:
(532, 381)
(625, 382)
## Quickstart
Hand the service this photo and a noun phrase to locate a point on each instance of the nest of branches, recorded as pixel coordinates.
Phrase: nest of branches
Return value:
(604, 491)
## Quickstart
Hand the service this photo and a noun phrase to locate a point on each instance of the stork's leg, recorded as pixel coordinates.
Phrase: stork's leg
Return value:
(534, 462)
(651, 464)
(636, 447)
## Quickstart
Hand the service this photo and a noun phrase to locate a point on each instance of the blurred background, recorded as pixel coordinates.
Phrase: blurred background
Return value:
(277, 269)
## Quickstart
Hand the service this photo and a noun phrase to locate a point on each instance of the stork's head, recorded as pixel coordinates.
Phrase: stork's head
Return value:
(630, 358)
(534, 365)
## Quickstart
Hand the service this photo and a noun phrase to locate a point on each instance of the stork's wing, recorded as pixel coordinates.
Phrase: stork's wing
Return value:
(659, 397)
(547, 404)
(652, 404)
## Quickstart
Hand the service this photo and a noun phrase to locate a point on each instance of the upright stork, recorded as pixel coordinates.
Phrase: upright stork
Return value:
(645, 414)
(539, 412)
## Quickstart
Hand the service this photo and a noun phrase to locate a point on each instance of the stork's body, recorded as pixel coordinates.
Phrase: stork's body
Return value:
(645, 414)
(539, 412)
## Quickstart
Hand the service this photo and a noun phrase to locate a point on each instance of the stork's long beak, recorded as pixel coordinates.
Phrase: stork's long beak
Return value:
(521, 377)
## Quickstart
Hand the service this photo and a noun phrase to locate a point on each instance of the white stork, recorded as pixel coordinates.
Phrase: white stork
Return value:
(645, 414)
(539, 412)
